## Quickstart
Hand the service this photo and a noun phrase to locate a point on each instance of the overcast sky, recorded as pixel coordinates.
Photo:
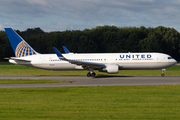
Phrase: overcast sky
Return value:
(60, 15)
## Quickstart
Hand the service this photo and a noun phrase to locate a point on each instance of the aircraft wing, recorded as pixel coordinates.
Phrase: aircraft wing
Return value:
(84, 64)
(87, 64)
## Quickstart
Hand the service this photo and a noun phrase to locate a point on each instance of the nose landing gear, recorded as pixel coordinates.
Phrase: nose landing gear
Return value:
(163, 70)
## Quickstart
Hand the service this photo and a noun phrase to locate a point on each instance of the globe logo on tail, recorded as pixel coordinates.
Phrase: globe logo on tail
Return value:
(23, 49)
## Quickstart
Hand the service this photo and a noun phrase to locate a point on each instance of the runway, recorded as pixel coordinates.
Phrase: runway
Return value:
(101, 80)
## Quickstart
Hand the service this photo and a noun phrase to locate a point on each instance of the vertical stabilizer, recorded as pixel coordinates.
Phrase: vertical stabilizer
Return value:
(20, 47)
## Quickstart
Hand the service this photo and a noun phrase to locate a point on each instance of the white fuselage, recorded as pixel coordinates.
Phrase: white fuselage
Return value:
(125, 61)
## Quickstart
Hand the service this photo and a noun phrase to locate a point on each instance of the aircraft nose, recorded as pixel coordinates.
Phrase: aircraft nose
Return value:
(174, 61)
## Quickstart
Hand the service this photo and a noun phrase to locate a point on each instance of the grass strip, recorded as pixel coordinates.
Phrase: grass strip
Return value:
(97, 103)
(31, 81)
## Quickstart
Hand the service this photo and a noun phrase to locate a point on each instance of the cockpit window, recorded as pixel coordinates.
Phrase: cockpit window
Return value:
(169, 57)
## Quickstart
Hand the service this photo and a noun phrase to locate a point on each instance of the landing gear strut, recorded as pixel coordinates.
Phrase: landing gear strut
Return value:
(163, 70)
(91, 74)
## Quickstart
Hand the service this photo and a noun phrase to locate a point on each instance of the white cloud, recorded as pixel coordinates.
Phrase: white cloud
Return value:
(100, 24)
(79, 14)
(37, 2)
(112, 24)
(1, 27)
(144, 0)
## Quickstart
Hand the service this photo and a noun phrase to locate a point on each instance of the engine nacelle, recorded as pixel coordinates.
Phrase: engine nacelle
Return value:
(111, 69)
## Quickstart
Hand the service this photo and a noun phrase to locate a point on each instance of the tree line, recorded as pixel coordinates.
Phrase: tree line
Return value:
(101, 39)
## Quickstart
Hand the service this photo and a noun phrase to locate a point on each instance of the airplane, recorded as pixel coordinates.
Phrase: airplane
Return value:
(104, 62)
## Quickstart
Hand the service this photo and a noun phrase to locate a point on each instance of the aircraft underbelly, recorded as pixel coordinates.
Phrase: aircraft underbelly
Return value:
(144, 66)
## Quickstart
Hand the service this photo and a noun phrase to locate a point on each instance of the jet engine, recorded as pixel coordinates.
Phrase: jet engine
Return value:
(110, 68)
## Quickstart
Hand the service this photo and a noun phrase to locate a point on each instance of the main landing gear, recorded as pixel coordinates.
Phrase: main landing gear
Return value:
(91, 73)
(163, 70)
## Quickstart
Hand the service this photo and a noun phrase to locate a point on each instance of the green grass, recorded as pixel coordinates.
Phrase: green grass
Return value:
(97, 103)
(31, 81)
(10, 69)
(5, 63)
(79, 103)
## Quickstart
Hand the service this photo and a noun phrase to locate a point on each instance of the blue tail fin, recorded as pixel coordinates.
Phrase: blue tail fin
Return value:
(20, 47)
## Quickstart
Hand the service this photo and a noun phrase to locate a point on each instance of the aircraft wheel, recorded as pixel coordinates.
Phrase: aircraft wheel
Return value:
(163, 70)
(93, 74)
(162, 75)
(88, 75)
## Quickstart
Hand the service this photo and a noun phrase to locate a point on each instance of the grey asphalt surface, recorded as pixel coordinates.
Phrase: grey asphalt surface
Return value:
(101, 80)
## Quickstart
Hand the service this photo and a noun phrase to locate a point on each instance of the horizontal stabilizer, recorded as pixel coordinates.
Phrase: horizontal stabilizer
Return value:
(22, 60)
(17, 59)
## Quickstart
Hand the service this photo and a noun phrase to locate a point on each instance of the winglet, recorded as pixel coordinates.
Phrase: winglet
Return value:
(57, 52)
(66, 50)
